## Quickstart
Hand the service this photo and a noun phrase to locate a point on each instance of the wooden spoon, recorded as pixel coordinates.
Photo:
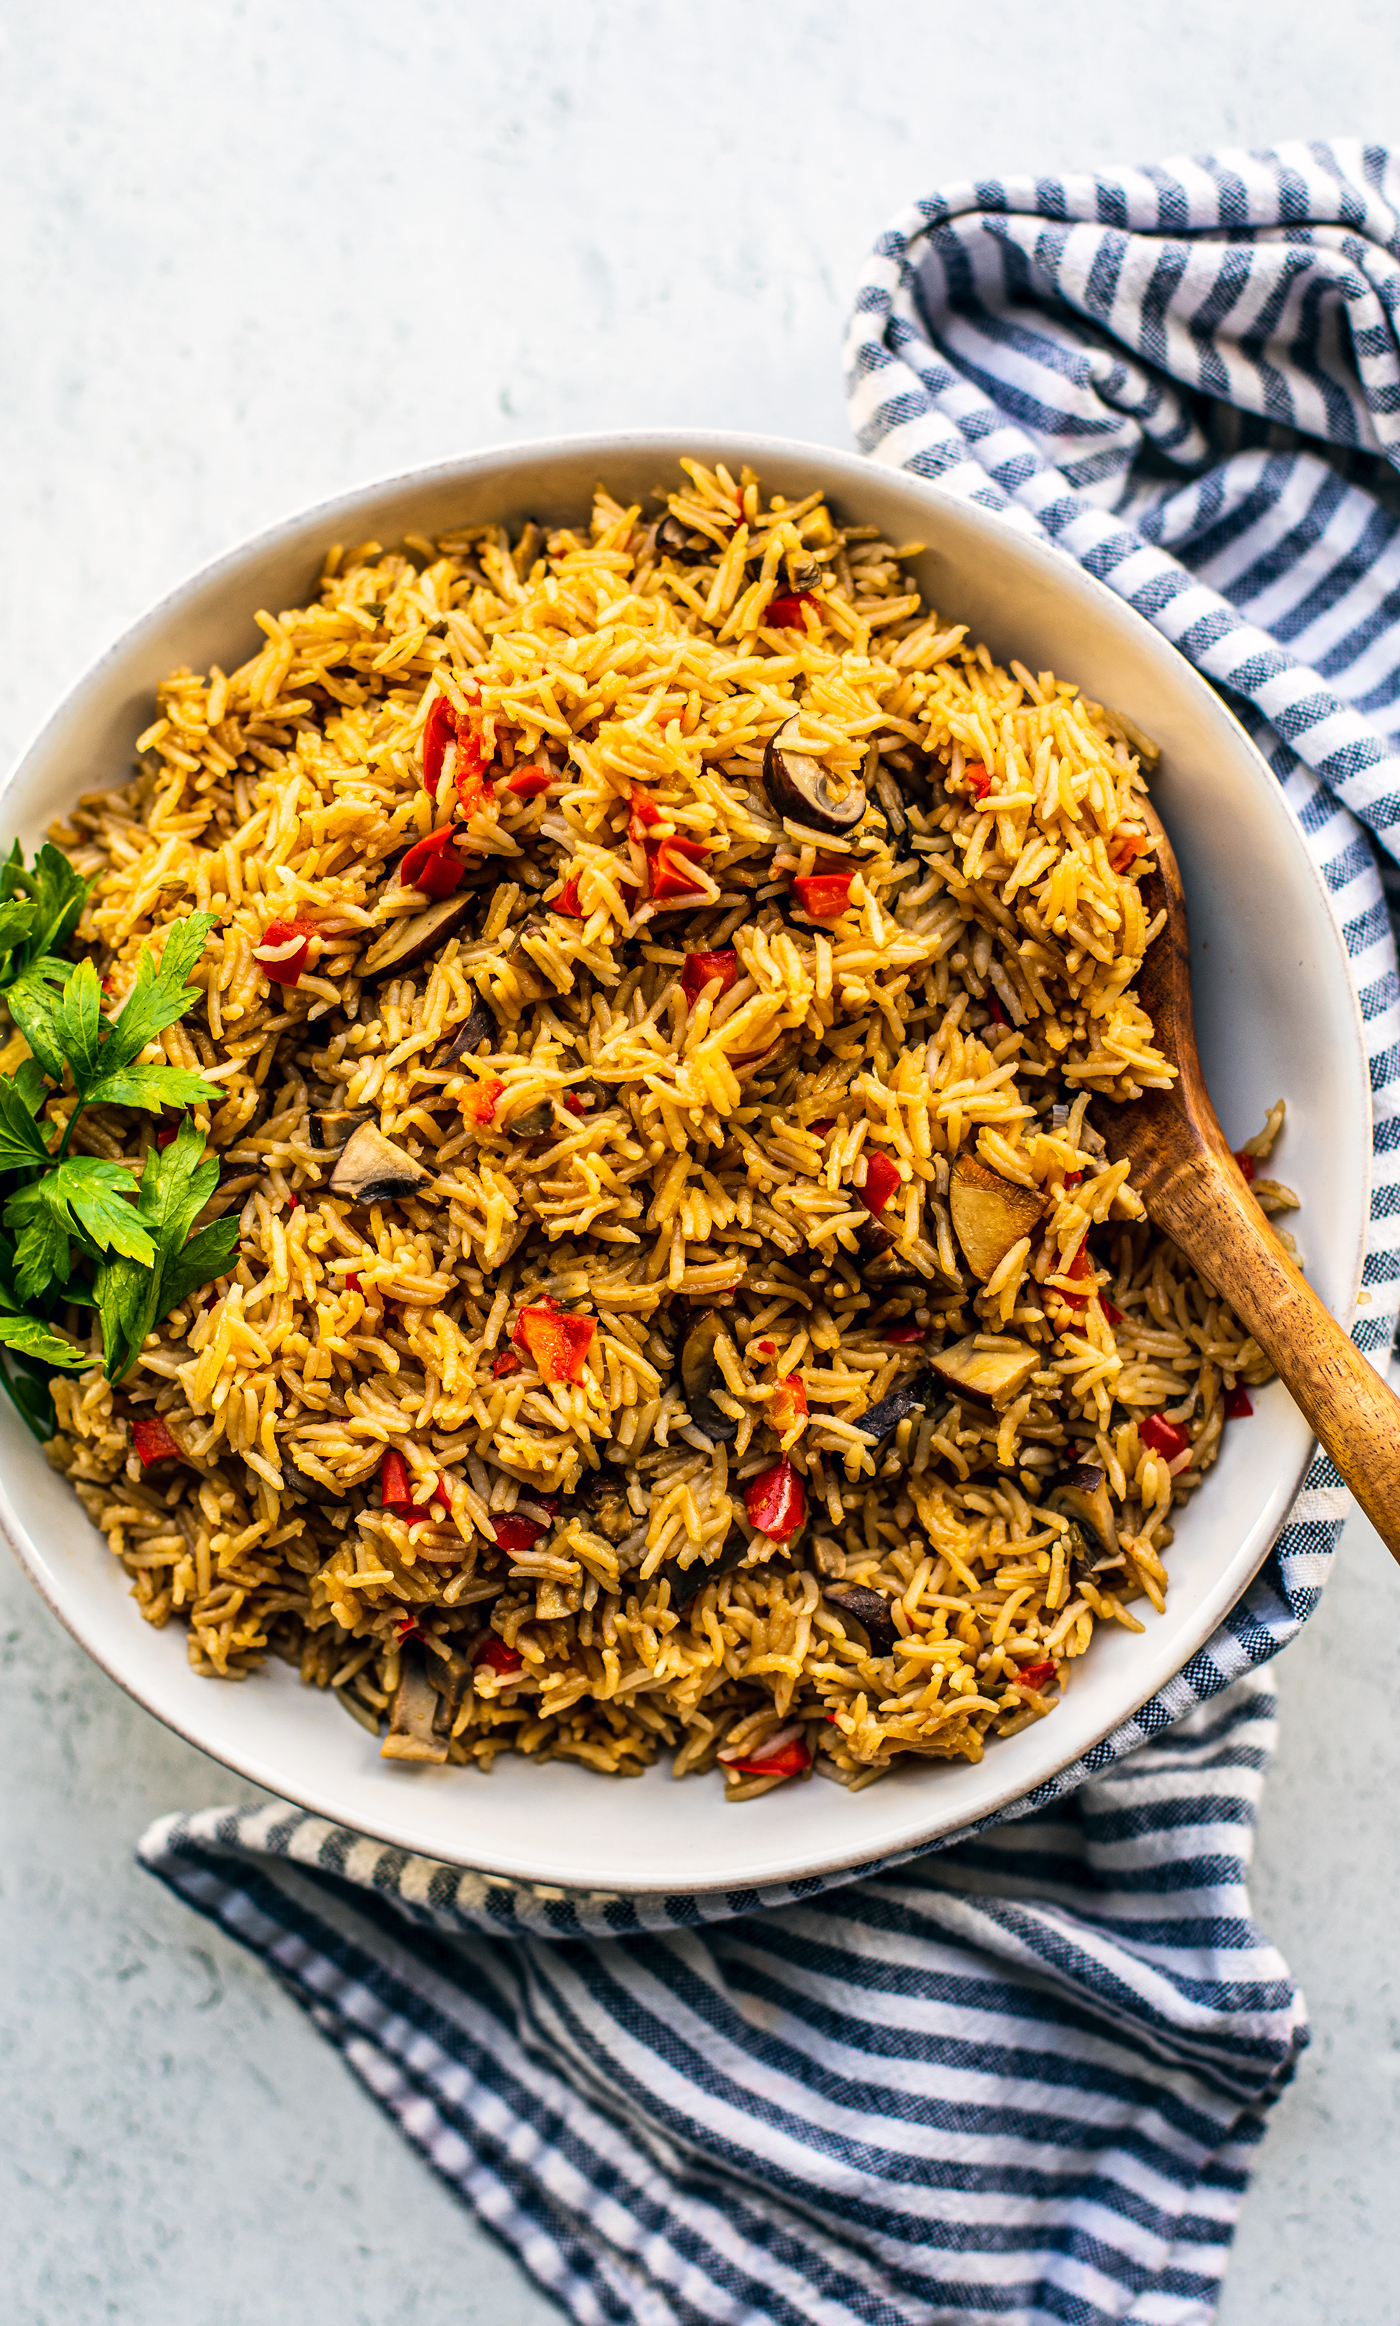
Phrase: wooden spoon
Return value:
(1195, 1192)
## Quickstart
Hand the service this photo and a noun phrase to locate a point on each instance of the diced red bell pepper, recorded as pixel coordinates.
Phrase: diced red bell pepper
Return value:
(433, 865)
(567, 901)
(899, 1335)
(1238, 1405)
(153, 1441)
(528, 783)
(979, 782)
(825, 895)
(507, 1362)
(557, 1344)
(1112, 1315)
(1127, 847)
(1246, 1164)
(786, 613)
(440, 729)
(789, 1761)
(352, 1282)
(395, 1489)
(406, 1627)
(881, 1180)
(644, 817)
(995, 1011)
(1035, 1675)
(574, 1103)
(516, 1533)
(494, 1653)
(442, 1494)
(701, 968)
(166, 1132)
(764, 1348)
(479, 1105)
(474, 753)
(788, 1404)
(776, 1502)
(668, 863)
(285, 951)
(1163, 1436)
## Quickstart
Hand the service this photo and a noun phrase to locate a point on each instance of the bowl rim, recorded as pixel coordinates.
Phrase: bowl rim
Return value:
(1062, 571)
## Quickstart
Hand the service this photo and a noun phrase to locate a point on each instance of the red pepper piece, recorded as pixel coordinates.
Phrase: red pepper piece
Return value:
(1035, 1675)
(528, 783)
(567, 900)
(406, 1627)
(776, 1503)
(494, 1653)
(701, 968)
(153, 1441)
(1112, 1315)
(440, 729)
(979, 782)
(557, 1344)
(788, 1404)
(644, 817)
(1127, 846)
(395, 1491)
(352, 1282)
(1246, 1164)
(881, 1180)
(480, 1105)
(1163, 1436)
(507, 1362)
(516, 1533)
(433, 865)
(825, 895)
(668, 863)
(474, 752)
(575, 1105)
(1238, 1405)
(786, 613)
(166, 1133)
(995, 1011)
(789, 1762)
(442, 1494)
(821, 1128)
(899, 1335)
(285, 951)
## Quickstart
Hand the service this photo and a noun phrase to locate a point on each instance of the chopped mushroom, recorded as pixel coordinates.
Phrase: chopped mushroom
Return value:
(332, 1127)
(989, 1214)
(673, 539)
(407, 943)
(412, 1736)
(910, 1397)
(985, 1368)
(701, 1376)
(687, 1582)
(798, 786)
(310, 1489)
(870, 1609)
(1081, 1493)
(480, 1027)
(372, 1170)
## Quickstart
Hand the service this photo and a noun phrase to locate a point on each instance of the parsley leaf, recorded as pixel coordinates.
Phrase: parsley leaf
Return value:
(22, 1141)
(159, 996)
(175, 1186)
(84, 1196)
(39, 908)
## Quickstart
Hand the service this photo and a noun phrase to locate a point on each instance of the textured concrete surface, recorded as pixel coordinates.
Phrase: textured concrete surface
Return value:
(252, 255)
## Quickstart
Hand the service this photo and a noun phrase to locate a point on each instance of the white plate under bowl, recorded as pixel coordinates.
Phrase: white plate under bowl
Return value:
(1277, 1016)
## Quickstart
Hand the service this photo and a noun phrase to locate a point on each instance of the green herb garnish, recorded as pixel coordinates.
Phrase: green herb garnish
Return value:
(77, 1228)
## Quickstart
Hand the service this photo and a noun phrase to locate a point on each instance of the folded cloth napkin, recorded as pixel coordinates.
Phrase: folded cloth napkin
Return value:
(1017, 2079)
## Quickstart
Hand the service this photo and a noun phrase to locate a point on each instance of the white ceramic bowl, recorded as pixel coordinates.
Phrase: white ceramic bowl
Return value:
(1276, 1013)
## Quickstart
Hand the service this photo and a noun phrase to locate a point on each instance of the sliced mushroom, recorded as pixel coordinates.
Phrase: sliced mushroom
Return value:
(412, 1736)
(673, 539)
(529, 1125)
(797, 786)
(416, 939)
(533, 986)
(910, 1397)
(873, 1241)
(331, 1127)
(870, 1609)
(985, 1368)
(701, 1376)
(480, 1027)
(373, 1170)
(450, 1673)
(310, 1489)
(989, 1214)
(1081, 1493)
(687, 1582)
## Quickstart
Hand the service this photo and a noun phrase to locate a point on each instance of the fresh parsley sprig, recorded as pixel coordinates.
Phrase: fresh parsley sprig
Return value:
(78, 1228)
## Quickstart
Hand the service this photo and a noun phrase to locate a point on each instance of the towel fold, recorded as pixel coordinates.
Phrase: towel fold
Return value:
(1016, 2079)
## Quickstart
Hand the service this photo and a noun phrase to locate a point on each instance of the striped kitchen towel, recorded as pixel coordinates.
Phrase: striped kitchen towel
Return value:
(1017, 2079)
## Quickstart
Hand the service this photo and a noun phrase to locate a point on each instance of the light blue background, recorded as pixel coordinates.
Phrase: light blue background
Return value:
(256, 254)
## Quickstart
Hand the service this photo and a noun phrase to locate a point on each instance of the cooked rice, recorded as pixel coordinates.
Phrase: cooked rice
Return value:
(976, 995)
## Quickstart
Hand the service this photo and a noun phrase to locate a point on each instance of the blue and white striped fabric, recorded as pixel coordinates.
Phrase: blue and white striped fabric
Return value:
(1017, 2080)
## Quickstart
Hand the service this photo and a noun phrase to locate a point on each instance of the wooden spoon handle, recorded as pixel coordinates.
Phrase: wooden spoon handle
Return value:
(1208, 1211)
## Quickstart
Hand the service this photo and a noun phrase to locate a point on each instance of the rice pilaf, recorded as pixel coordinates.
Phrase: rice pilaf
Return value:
(732, 1339)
